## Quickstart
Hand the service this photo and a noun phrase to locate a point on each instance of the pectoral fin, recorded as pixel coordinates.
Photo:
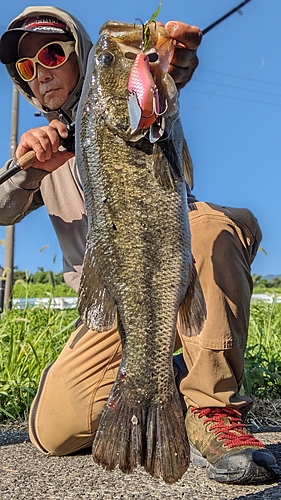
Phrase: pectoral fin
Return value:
(166, 166)
(96, 307)
(192, 312)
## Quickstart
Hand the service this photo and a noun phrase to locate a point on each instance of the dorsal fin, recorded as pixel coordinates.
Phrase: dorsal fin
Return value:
(166, 165)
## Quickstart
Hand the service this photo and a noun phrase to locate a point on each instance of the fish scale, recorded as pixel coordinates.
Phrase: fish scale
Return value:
(138, 264)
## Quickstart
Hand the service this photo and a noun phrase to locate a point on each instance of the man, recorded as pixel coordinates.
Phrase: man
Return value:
(49, 70)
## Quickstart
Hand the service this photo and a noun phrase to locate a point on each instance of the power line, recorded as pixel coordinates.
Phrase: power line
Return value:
(240, 77)
(233, 97)
(221, 84)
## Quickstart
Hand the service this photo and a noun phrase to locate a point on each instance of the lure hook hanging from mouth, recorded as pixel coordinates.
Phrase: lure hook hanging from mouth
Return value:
(145, 32)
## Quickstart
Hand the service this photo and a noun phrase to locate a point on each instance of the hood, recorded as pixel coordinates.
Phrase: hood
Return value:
(83, 45)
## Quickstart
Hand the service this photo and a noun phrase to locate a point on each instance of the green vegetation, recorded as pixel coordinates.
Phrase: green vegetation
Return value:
(262, 285)
(29, 340)
(32, 338)
(39, 290)
(263, 353)
(41, 284)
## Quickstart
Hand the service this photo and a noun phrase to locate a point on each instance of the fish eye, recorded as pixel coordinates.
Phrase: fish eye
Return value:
(106, 58)
(153, 57)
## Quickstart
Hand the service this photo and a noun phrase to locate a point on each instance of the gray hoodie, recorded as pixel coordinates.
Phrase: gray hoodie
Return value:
(61, 191)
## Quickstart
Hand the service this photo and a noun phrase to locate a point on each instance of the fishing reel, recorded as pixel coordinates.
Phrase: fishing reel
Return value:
(69, 142)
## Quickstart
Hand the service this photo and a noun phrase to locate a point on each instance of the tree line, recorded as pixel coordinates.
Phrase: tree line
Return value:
(263, 283)
(49, 277)
(40, 276)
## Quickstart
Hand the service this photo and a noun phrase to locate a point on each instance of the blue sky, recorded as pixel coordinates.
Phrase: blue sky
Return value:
(231, 113)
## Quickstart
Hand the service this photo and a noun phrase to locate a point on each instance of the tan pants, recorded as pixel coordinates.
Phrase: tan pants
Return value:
(73, 390)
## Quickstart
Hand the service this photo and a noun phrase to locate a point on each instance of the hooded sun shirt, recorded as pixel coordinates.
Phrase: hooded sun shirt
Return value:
(60, 191)
(83, 45)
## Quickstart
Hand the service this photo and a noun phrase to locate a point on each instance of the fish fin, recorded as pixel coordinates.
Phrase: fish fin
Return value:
(167, 453)
(154, 436)
(187, 165)
(96, 307)
(192, 311)
(157, 129)
(166, 165)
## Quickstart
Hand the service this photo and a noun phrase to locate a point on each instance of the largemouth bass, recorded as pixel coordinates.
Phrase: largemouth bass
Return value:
(138, 265)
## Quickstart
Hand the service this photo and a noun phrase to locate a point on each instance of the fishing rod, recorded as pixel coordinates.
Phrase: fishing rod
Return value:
(209, 28)
(29, 158)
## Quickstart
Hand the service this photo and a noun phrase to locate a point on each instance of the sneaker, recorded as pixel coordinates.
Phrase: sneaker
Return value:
(220, 441)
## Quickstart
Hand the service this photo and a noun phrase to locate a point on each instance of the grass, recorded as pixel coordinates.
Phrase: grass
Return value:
(29, 340)
(38, 290)
(263, 353)
(32, 338)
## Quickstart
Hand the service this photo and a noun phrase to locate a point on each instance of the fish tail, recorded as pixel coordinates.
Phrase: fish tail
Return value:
(167, 454)
(119, 440)
(153, 437)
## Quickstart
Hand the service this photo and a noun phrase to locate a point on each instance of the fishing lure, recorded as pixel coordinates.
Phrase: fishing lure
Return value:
(144, 105)
(143, 102)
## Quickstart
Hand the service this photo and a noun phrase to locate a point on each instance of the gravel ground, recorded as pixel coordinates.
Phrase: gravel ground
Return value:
(26, 474)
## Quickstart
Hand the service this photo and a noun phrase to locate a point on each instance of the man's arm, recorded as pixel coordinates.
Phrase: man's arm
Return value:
(21, 194)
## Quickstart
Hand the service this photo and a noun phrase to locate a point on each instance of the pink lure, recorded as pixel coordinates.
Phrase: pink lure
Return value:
(142, 85)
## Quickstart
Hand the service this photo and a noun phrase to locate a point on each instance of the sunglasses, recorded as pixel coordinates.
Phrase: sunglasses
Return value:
(51, 56)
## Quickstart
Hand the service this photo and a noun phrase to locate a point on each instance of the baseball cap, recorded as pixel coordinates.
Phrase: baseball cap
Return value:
(41, 24)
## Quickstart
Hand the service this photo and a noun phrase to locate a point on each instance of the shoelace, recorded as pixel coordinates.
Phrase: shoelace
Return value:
(235, 434)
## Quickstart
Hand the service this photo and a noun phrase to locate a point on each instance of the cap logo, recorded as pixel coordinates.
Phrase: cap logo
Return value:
(43, 23)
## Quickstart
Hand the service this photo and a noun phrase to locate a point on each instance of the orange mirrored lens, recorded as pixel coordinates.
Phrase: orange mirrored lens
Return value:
(26, 69)
(51, 56)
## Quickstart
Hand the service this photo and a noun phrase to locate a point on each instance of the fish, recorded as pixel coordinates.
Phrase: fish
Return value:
(138, 270)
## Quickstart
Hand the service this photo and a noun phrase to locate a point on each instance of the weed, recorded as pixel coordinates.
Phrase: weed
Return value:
(29, 340)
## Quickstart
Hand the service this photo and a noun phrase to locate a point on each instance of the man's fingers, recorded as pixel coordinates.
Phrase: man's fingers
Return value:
(44, 141)
(60, 127)
(189, 36)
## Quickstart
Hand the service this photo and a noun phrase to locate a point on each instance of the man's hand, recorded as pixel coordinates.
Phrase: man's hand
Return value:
(184, 59)
(45, 142)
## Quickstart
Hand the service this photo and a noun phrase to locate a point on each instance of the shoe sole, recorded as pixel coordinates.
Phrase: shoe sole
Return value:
(252, 475)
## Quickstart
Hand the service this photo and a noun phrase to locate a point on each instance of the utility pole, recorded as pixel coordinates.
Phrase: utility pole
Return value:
(10, 230)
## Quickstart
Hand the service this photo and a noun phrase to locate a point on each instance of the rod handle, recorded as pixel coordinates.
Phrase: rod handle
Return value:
(27, 160)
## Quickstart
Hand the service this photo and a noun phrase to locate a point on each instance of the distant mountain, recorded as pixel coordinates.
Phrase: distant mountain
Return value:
(270, 277)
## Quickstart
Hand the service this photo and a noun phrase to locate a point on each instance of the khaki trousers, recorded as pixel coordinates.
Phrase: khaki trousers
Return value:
(72, 392)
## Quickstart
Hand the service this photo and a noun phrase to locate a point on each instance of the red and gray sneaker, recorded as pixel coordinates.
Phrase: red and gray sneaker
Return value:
(221, 442)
